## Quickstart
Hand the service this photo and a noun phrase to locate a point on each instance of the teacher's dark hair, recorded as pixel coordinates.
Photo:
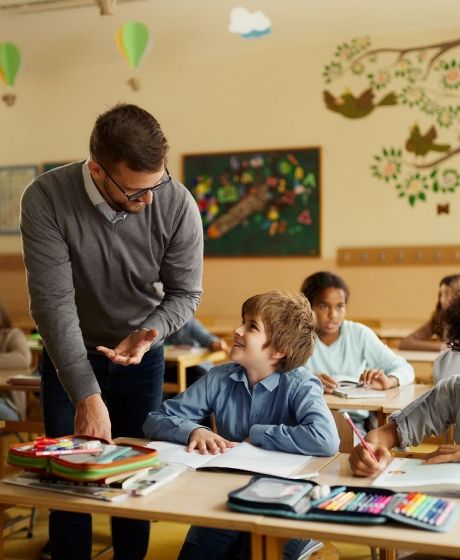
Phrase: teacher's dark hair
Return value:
(128, 133)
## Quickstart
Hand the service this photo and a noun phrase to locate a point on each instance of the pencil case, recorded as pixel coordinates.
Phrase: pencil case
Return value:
(344, 504)
(83, 465)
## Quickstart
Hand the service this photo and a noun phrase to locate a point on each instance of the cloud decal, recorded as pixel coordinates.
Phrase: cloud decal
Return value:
(249, 24)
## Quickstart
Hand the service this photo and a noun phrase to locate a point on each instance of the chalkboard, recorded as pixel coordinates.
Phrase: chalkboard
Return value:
(258, 203)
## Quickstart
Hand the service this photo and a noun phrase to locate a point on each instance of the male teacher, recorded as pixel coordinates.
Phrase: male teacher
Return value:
(97, 235)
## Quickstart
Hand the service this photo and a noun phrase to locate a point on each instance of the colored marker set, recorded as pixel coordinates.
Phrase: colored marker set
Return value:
(427, 509)
(361, 502)
(362, 505)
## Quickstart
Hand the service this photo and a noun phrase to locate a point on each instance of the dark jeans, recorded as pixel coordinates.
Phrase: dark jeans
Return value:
(202, 543)
(130, 393)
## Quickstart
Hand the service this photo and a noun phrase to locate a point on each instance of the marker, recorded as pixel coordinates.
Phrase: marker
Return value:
(58, 452)
(444, 514)
(381, 503)
(360, 437)
(423, 507)
(360, 496)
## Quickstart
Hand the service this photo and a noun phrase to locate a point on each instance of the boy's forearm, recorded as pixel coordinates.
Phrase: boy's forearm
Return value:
(386, 436)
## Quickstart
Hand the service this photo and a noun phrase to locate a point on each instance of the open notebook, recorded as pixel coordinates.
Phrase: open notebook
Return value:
(350, 388)
(243, 457)
(358, 393)
(414, 475)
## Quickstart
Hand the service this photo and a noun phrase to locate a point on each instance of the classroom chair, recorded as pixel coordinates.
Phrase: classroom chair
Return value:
(345, 432)
(346, 437)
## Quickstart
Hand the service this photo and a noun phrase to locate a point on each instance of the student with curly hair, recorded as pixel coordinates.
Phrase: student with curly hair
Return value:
(448, 362)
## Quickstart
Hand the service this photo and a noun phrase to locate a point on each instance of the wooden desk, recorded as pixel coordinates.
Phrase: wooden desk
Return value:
(405, 396)
(273, 531)
(193, 497)
(392, 335)
(422, 361)
(182, 358)
(200, 498)
(372, 405)
(197, 498)
(29, 426)
(418, 356)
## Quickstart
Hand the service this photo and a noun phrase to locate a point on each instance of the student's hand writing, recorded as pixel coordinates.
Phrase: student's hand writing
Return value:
(362, 464)
(377, 379)
(204, 440)
(131, 349)
(444, 454)
(219, 345)
(329, 383)
(92, 418)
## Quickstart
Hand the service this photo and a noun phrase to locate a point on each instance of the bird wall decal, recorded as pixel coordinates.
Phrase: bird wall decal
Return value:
(420, 144)
(356, 107)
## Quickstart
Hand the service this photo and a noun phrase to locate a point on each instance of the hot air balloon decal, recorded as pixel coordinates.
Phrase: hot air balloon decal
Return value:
(133, 41)
(10, 60)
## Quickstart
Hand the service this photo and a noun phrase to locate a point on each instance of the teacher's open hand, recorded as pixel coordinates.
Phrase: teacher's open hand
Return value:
(131, 349)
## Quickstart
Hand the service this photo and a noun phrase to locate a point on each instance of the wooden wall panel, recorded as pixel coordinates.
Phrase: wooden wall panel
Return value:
(397, 256)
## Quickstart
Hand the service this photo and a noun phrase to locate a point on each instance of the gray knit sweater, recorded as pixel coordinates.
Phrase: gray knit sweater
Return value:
(91, 282)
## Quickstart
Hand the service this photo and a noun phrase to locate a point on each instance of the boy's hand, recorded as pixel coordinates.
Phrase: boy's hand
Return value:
(377, 379)
(219, 345)
(329, 383)
(362, 464)
(444, 454)
(204, 440)
(132, 348)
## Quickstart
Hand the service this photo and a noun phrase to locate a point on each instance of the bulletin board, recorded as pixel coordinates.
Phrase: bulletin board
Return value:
(258, 203)
(13, 181)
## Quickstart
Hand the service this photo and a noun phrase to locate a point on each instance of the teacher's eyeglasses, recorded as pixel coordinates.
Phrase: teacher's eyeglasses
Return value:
(141, 193)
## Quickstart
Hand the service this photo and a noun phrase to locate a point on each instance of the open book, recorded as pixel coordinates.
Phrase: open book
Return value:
(351, 388)
(96, 492)
(358, 393)
(414, 475)
(244, 457)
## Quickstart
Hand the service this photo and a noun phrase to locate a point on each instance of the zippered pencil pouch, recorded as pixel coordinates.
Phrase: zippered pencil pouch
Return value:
(81, 463)
(344, 504)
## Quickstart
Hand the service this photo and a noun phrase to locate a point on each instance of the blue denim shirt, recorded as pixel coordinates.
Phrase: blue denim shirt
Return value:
(285, 412)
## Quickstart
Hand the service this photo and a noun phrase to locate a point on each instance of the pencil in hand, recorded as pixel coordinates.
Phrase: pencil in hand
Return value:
(360, 437)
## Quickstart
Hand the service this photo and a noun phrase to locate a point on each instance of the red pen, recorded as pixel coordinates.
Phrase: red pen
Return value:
(360, 437)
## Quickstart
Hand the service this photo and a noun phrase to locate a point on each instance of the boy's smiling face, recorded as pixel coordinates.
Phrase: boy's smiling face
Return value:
(249, 350)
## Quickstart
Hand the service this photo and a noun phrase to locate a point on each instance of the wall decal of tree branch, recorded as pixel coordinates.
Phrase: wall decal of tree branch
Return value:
(425, 78)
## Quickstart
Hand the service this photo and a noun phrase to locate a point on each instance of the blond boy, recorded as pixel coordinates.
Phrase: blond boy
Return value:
(264, 396)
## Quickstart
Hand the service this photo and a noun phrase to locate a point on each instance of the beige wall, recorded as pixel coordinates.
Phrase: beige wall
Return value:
(215, 91)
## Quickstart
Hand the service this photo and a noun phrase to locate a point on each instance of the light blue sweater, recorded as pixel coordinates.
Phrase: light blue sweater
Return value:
(358, 348)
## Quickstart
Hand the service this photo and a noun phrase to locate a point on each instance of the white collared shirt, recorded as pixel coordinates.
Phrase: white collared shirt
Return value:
(98, 200)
